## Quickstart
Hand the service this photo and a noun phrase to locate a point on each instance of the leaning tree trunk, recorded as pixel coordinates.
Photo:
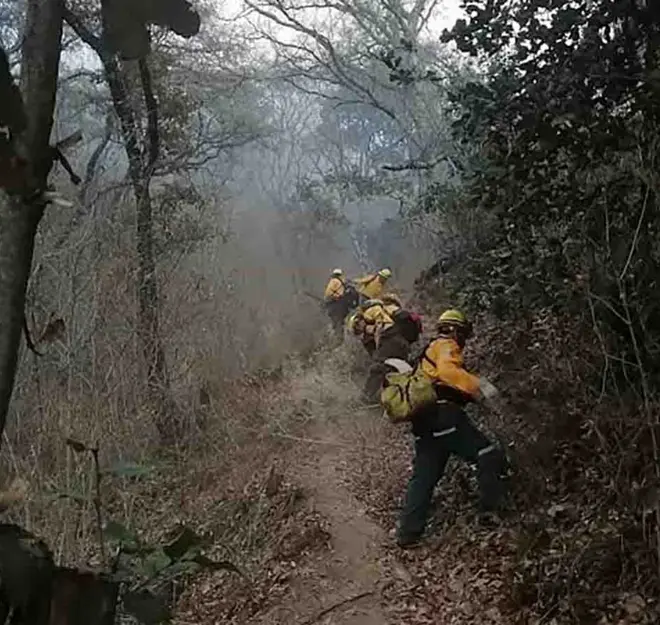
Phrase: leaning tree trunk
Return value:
(19, 219)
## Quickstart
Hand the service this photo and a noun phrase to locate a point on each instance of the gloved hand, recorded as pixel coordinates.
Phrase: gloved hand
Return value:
(488, 390)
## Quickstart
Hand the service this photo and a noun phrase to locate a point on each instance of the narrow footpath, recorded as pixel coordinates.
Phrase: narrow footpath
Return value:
(343, 586)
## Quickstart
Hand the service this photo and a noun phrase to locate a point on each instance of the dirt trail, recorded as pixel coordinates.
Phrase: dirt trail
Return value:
(342, 586)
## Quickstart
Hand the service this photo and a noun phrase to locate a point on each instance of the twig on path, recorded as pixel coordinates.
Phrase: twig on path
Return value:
(315, 441)
(336, 606)
(321, 441)
(315, 297)
(302, 439)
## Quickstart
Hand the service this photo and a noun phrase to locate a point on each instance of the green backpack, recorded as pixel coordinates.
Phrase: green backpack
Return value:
(403, 394)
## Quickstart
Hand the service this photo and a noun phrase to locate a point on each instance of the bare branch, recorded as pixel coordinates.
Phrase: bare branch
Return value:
(414, 165)
(153, 139)
(334, 64)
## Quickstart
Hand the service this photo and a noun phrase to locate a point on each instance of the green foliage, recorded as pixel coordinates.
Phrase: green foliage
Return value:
(127, 540)
(184, 541)
(128, 469)
(145, 569)
(148, 569)
(566, 125)
(567, 118)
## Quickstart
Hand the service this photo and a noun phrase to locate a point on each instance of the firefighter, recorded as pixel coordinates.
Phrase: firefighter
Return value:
(372, 285)
(338, 299)
(388, 342)
(363, 327)
(444, 429)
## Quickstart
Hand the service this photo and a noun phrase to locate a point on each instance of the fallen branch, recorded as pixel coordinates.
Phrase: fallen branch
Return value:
(336, 606)
(301, 439)
(416, 165)
(316, 297)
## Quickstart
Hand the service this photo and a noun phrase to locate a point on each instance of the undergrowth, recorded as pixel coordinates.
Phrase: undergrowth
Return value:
(230, 480)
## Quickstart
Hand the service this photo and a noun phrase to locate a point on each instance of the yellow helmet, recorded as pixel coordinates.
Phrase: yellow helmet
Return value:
(453, 317)
(392, 298)
(385, 273)
(337, 272)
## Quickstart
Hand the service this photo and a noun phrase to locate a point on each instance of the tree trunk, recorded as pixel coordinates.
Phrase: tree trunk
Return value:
(19, 219)
(157, 376)
(141, 160)
(18, 227)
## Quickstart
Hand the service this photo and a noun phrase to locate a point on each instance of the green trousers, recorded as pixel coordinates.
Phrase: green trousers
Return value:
(451, 432)
(337, 311)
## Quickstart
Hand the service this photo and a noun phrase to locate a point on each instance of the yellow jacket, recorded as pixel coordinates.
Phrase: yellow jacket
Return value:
(335, 289)
(390, 309)
(443, 363)
(376, 319)
(371, 286)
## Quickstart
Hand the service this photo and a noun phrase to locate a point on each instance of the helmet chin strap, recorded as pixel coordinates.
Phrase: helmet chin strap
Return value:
(453, 332)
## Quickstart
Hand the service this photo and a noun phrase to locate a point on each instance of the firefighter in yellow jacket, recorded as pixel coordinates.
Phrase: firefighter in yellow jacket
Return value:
(365, 328)
(338, 299)
(388, 342)
(444, 429)
(372, 285)
(336, 286)
(364, 325)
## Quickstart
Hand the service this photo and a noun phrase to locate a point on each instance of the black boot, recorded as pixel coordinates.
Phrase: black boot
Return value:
(408, 541)
(491, 471)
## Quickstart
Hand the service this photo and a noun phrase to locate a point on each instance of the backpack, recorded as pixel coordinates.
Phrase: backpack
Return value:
(408, 324)
(351, 297)
(404, 394)
(357, 322)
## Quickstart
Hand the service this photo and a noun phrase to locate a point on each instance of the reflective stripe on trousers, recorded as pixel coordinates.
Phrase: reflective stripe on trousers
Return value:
(482, 452)
(486, 450)
(446, 432)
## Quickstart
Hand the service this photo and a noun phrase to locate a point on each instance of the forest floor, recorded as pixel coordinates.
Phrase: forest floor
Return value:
(363, 578)
(313, 523)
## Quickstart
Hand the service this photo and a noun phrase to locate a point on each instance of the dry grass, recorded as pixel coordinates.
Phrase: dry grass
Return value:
(231, 480)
